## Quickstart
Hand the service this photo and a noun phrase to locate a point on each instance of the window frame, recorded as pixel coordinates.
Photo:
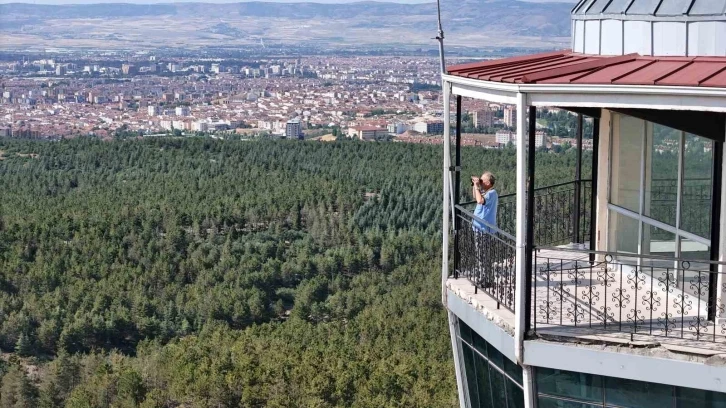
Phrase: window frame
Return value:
(507, 379)
(640, 217)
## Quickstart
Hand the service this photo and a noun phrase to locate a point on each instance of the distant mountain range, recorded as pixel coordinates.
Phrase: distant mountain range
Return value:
(468, 23)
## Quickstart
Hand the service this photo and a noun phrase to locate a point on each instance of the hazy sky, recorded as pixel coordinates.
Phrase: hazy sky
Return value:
(234, 1)
(198, 1)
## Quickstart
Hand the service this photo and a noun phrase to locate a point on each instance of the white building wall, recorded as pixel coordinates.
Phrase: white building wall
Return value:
(504, 137)
(592, 37)
(707, 38)
(638, 37)
(420, 127)
(611, 37)
(669, 38)
(579, 36)
(659, 38)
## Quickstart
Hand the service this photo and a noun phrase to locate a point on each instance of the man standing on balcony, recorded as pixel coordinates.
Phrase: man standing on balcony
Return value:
(486, 201)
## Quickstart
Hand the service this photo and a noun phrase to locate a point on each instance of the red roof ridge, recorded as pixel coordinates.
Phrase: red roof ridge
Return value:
(577, 68)
(664, 76)
(517, 71)
(712, 75)
(506, 61)
(524, 65)
(619, 77)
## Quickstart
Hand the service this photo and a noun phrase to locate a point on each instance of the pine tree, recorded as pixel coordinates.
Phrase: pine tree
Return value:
(23, 347)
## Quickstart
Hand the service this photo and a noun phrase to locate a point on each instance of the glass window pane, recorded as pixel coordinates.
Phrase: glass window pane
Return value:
(470, 371)
(661, 173)
(697, 175)
(694, 276)
(515, 395)
(513, 370)
(659, 243)
(689, 397)
(695, 279)
(629, 393)
(464, 332)
(568, 384)
(479, 344)
(626, 163)
(694, 250)
(623, 233)
(495, 357)
(485, 392)
(499, 393)
(544, 402)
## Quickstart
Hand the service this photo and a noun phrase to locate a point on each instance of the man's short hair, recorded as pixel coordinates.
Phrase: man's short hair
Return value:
(491, 177)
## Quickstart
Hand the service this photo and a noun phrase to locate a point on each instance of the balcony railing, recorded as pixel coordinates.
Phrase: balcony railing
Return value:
(626, 294)
(555, 213)
(486, 256)
(579, 290)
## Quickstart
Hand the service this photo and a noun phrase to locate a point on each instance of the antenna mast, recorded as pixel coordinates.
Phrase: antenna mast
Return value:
(440, 39)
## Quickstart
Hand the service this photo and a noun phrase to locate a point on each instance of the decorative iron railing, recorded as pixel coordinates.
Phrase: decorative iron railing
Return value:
(554, 213)
(486, 256)
(627, 294)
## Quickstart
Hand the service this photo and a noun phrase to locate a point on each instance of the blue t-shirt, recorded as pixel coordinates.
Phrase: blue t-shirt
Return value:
(487, 211)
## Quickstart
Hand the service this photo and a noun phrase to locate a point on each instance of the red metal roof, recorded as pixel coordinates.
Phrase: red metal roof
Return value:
(566, 67)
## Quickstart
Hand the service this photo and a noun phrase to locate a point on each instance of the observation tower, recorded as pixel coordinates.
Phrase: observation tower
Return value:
(607, 290)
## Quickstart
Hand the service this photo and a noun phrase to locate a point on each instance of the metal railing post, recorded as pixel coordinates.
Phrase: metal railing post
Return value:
(576, 213)
(593, 185)
(529, 245)
(457, 187)
(715, 228)
(446, 201)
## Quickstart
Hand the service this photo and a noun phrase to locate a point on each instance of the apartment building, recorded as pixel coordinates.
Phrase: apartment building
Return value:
(293, 129)
(510, 116)
(503, 137)
(366, 132)
(483, 118)
(429, 127)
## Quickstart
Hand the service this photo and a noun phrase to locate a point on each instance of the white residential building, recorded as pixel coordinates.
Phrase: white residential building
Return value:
(504, 137)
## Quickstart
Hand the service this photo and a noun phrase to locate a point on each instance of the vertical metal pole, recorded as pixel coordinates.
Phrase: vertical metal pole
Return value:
(576, 213)
(446, 204)
(521, 282)
(720, 309)
(530, 218)
(593, 185)
(457, 187)
(715, 227)
(440, 39)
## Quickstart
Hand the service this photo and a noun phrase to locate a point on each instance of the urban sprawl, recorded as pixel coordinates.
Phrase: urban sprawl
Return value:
(315, 98)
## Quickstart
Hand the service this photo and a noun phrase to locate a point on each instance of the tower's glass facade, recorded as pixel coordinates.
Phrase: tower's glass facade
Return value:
(567, 389)
(492, 380)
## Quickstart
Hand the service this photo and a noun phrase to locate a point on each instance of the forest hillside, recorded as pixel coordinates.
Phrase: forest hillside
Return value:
(206, 273)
